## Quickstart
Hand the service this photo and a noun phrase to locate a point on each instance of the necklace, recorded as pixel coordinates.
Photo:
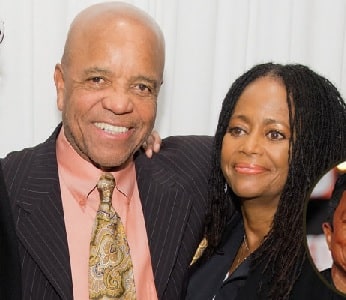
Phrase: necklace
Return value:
(246, 245)
(243, 253)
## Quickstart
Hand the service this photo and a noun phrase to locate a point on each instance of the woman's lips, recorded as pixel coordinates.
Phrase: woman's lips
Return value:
(249, 169)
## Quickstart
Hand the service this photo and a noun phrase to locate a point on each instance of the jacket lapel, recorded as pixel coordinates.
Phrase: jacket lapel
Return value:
(166, 207)
(40, 222)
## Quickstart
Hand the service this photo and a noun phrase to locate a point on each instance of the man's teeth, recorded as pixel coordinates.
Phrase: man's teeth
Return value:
(110, 128)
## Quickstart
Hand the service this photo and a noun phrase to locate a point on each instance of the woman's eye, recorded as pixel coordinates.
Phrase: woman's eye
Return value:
(275, 135)
(236, 131)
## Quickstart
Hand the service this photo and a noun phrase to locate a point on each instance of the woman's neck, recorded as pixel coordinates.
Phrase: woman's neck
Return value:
(258, 219)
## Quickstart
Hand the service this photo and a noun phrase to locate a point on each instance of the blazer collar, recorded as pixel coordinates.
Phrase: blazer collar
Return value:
(165, 216)
(40, 225)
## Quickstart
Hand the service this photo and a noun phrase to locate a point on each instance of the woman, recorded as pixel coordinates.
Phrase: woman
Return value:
(280, 129)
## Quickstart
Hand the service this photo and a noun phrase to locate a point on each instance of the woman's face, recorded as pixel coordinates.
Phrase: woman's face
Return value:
(255, 148)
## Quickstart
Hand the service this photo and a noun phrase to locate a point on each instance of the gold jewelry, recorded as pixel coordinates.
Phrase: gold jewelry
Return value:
(246, 245)
(243, 253)
(201, 247)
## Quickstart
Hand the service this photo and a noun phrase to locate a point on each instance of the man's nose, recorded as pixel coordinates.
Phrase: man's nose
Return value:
(118, 101)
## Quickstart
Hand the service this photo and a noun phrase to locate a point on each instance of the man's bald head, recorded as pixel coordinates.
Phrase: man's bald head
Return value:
(108, 82)
(99, 19)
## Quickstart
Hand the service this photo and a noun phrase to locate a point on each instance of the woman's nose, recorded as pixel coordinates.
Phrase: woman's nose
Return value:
(252, 144)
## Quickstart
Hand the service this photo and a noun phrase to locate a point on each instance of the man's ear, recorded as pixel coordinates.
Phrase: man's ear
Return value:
(59, 86)
(327, 229)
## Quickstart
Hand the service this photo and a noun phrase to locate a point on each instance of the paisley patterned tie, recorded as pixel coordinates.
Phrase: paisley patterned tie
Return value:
(110, 265)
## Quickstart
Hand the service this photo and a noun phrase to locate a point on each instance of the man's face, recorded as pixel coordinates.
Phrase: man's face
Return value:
(107, 92)
(336, 237)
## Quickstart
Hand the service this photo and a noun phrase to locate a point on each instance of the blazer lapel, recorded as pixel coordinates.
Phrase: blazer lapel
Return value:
(166, 207)
(40, 222)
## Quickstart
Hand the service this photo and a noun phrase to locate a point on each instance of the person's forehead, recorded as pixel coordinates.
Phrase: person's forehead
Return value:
(343, 197)
(341, 208)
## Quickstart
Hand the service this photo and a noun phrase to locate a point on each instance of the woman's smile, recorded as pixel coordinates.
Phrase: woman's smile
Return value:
(249, 169)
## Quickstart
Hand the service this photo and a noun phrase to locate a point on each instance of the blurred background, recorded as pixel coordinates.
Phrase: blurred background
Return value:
(208, 44)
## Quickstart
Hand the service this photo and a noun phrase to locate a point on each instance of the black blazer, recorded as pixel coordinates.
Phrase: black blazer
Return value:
(173, 191)
(309, 286)
(206, 277)
(10, 279)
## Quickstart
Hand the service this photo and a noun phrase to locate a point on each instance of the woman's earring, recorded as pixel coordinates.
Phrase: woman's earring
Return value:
(225, 189)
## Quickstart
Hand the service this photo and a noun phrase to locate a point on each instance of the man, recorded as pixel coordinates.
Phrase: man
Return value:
(335, 232)
(107, 86)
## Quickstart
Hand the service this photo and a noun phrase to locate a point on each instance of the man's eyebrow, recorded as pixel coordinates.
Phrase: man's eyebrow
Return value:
(151, 80)
(97, 70)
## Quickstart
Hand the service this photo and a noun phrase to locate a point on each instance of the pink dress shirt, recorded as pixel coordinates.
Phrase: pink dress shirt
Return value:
(80, 198)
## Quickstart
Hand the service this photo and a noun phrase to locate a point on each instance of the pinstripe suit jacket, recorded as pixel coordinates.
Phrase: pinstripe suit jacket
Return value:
(10, 281)
(172, 187)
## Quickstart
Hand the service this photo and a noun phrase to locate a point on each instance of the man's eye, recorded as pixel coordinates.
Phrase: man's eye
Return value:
(96, 79)
(276, 135)
(143, 88)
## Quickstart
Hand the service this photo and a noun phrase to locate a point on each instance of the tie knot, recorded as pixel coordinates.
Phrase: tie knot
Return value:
(106, 186)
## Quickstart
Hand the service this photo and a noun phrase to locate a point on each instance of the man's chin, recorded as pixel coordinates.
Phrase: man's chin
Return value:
(112, 163)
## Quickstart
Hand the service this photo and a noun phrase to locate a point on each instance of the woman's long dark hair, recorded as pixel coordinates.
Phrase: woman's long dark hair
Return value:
(317, 116)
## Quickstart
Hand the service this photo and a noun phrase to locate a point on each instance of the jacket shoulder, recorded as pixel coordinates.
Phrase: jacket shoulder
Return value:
(192, 149)
(18, 165)
(182, 160)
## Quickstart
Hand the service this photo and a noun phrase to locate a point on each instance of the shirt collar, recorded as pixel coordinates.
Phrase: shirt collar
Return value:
(85, 175)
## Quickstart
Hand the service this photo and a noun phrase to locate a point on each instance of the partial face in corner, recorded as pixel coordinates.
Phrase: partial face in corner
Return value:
(328, 248)
(336, 237)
